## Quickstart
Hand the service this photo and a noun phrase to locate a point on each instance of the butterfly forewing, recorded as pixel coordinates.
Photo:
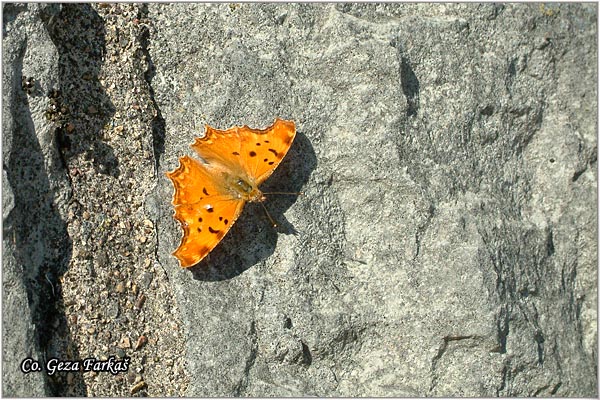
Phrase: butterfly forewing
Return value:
(256, 152)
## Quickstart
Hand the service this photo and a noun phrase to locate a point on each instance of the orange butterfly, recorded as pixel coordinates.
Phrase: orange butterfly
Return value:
(210, 195)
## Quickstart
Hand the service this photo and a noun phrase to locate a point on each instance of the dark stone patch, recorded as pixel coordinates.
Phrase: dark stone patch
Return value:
(411, 86)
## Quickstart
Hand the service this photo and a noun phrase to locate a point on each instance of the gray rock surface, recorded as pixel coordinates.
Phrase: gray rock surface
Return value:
(78, 155)
(34, 242)
(446, 241)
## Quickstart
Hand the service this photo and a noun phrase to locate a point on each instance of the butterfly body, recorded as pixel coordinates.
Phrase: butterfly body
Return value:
(243, 188)
(211, 194)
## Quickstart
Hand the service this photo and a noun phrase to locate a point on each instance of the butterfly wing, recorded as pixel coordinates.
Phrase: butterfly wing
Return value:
(203, 206)
(254, 153)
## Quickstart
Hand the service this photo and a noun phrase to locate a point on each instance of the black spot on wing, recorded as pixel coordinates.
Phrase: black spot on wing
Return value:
(252, 154)
(203, 250)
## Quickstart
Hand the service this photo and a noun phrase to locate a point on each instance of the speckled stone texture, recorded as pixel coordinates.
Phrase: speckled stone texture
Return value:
(445, 243)
(81, 278)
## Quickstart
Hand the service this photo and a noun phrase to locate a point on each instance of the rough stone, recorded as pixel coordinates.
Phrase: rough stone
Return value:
(34, 245)
(448, 158)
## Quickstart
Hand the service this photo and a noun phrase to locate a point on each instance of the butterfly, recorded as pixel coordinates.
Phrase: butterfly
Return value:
(210, 194)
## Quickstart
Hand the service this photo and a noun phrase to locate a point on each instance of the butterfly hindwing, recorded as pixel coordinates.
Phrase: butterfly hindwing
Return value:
(205, 210)
(204, 227)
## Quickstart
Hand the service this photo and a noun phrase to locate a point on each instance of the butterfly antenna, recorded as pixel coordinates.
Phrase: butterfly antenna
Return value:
(268, 215)
(290, 193)
(265, 208)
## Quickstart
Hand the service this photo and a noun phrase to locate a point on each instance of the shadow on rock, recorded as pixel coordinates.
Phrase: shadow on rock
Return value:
(253, 238)
(42, 246)
(158, 122)
(78, 33)
(37, 170)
